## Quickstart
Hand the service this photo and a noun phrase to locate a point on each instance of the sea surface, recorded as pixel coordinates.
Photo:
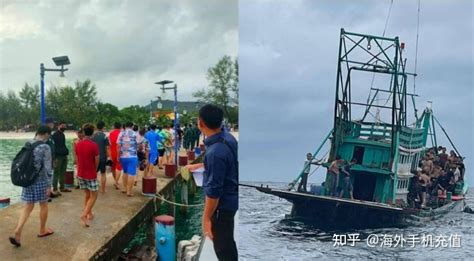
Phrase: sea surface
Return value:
(8, 150)
(265, 234)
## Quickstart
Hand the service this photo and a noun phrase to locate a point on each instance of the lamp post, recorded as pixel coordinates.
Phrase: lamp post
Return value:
(59, 61)
(175, 110)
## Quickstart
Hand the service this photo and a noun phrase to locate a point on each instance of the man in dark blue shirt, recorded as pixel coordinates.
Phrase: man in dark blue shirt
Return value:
(220, 182)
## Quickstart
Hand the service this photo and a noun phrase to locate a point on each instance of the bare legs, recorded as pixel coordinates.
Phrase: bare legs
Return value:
(23, 218)
(130, 183)
(103, 179)
(125, 182)
(43, 217)
(89, 202)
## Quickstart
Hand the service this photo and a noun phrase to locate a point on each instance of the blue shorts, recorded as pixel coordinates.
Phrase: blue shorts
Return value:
(129, 165)
(153, 158)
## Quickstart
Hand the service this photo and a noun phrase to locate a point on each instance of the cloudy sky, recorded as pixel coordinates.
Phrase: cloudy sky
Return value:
(288, 60)
(122, 46)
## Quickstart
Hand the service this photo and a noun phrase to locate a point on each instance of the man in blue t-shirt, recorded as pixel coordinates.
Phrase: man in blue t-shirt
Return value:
(153, 139)
(220, 183)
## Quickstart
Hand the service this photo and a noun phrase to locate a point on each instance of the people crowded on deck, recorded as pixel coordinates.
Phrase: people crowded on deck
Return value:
(438, 175)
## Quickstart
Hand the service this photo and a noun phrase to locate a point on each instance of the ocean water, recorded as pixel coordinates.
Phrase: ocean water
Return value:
(8, 150)
(265, 234)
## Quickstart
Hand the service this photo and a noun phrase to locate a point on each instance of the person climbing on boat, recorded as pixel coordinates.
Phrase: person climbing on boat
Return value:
(307, 168)
(443, 158)
(427, 164)
(347, 184)
(334, 177)
(424, 181)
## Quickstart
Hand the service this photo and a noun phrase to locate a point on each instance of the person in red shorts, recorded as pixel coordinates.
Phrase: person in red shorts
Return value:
(116, 167)
(87, 153)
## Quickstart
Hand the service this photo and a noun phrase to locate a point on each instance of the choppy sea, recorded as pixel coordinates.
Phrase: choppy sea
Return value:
(266, 234)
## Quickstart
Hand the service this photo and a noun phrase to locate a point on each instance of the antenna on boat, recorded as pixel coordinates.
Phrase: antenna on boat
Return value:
(416, 59)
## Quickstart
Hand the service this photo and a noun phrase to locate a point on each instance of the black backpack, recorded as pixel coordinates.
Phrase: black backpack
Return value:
(23, 172)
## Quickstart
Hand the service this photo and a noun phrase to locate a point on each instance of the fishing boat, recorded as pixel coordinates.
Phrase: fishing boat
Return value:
(377, 137)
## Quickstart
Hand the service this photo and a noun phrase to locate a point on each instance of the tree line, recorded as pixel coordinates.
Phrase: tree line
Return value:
(79, 103)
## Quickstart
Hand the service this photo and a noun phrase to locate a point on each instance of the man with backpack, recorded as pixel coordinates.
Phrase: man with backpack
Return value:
(220, 182)
(32, 169)
(60, 159)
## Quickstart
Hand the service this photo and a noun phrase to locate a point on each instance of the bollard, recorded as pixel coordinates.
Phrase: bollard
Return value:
(149, 186)
(183, 160)
(4, 202)
(191, 155)
(69, 179)
(170, 170)
(165, 238)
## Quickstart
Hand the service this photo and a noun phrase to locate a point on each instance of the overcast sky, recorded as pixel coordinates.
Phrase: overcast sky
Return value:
(288, 59)
(122, 46)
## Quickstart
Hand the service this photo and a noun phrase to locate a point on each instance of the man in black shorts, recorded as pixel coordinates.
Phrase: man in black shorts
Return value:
(103, 143)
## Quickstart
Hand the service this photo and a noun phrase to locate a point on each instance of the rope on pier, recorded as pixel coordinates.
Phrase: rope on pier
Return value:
(161, 197)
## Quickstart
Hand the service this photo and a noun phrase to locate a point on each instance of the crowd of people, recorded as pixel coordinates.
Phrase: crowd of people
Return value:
(125, 149)
(438, 173)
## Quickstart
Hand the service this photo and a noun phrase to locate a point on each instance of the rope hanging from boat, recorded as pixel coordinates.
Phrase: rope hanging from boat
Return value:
(447, 136)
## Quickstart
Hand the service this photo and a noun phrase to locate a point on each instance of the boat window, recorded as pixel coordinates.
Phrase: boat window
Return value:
(358, 154)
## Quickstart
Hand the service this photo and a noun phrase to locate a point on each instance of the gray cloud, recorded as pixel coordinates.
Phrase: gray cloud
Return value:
(288, 59)
(122, 46)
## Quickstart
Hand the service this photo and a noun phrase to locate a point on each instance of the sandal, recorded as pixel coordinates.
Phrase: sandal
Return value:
(48, 233)
(14, 241)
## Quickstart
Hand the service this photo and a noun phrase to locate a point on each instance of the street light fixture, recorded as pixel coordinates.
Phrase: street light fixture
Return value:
(59, 61)
(175, 110)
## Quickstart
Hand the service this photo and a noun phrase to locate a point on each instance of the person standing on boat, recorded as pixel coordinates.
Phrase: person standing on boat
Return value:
(39, 191)
(334, 177)
(347, 185)
(307, 168)
(220, 182)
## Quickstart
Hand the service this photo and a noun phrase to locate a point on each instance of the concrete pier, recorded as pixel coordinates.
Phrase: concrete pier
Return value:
(117, 218)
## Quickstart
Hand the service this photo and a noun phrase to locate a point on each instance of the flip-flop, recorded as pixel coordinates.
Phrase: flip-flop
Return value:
(116, 186)
(14, 242)
(49, 233)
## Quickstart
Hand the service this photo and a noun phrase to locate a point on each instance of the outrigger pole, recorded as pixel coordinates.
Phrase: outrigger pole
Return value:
(447, 136)
(292, 184)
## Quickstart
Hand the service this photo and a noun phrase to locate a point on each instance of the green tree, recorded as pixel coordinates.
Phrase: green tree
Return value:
(223, 87)
(29, 97)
